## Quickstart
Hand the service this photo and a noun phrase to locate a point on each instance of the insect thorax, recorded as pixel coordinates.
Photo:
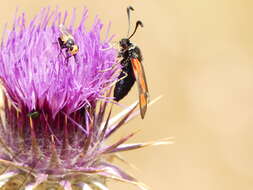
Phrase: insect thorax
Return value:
(70, 42)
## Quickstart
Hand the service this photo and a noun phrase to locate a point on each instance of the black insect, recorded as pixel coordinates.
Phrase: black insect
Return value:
(33, 114)
(132, 70)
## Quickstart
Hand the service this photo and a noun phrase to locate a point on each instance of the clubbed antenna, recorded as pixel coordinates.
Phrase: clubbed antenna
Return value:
(130, 8)
(138, 23)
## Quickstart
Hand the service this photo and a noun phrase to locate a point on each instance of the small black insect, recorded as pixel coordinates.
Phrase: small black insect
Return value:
(33, 114)
(132, 70)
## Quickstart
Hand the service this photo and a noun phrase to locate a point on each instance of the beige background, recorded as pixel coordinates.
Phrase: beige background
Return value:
(199, 55)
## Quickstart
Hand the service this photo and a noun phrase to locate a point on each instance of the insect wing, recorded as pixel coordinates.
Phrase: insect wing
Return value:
(142, 85)
(64, 31)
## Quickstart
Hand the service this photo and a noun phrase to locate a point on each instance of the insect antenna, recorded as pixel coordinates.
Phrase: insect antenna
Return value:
(138, 23)
(130, 8)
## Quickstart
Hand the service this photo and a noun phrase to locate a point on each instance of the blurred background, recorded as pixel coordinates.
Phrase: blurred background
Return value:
(199, 55)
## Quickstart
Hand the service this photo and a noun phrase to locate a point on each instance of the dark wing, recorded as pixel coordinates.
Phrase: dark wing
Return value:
(142, 85)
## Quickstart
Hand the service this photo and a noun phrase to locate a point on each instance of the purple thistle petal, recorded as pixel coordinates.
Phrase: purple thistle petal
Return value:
(34, 70)
(112, 147)
(134, 146)
(114, 172)
(120, 123)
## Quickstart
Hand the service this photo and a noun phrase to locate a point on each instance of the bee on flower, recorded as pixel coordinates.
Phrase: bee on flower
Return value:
(66, 40)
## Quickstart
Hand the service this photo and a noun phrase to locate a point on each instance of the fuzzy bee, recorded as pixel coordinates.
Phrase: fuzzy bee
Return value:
(67, 41)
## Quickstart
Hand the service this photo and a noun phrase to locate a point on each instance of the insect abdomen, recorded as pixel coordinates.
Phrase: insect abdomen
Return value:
(123, 86)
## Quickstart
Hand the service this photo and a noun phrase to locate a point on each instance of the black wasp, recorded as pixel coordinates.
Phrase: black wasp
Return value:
(132, 69)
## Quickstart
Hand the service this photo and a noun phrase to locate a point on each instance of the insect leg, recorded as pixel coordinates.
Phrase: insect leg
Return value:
(108, 69)
(61, 43)
(125, 75)
(68, 56)
(76, 59)
(110, 46)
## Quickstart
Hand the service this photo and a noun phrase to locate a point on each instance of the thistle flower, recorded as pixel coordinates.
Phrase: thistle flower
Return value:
(54, 126)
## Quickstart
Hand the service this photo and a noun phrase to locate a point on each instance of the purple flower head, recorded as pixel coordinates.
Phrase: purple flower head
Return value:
(39, 75)
(56, 121)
